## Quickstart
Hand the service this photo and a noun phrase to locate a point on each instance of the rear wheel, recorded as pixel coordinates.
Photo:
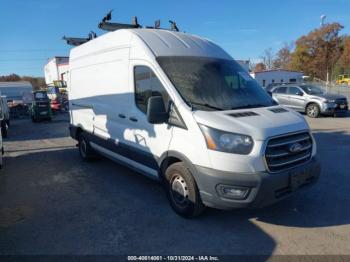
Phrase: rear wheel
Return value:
(313, 110)
(182, 191)
(85, 150)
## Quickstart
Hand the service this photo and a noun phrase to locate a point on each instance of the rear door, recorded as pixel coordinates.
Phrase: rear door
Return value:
(296, 99)
(280, 95)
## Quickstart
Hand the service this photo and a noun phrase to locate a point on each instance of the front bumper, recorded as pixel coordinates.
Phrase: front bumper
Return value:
(264, 188)
(332, 108)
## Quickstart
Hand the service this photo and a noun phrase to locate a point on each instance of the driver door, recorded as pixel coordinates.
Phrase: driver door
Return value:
(147, 141)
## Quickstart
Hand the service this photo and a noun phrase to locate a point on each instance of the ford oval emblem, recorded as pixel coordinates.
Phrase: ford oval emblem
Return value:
(296, 147)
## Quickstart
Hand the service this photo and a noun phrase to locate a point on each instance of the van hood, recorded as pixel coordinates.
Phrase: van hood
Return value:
(260, 125)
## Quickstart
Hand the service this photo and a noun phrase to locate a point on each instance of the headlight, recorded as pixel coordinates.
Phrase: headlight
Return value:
(227, 142)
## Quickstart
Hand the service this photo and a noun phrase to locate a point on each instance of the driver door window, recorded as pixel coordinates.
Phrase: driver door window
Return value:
(146, 85)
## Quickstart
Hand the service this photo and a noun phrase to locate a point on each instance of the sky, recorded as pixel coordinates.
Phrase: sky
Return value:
(31, 30)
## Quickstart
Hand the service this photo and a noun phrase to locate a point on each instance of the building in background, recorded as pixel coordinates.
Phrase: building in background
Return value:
(277, 76)
(56, 70)
(56, 76)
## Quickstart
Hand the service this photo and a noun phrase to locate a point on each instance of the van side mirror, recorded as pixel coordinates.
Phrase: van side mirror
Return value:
(156, 113)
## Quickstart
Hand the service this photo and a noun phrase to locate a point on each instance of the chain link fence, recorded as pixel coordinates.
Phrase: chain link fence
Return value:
(335, 88)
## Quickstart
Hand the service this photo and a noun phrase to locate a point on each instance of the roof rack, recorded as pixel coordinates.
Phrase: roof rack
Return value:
(108, 26)
(76, 41)
(174, 26)
(156, 25)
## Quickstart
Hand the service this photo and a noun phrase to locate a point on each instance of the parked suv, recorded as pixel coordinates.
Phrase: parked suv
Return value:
(310, 99)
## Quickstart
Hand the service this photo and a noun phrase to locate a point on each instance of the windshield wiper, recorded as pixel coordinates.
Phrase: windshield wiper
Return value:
(206, 105)
(249, 106)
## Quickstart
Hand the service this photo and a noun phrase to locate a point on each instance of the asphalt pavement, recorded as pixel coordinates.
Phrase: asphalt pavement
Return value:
(53, 203)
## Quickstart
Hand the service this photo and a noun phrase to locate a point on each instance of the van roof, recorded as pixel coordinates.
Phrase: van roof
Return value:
(161, 42)
(172, 43)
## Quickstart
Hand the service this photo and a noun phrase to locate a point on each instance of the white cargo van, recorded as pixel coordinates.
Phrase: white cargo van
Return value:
(179, 109)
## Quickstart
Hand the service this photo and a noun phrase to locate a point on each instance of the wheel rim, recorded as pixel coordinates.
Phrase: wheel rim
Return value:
(83, 147)
(312, 111)
(179, 191)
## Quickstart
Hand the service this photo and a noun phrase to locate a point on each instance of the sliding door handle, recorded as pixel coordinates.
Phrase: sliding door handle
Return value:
(121, 116)
(133, 119)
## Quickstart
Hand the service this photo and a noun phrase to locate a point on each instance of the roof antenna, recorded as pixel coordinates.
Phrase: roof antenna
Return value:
(173, 26)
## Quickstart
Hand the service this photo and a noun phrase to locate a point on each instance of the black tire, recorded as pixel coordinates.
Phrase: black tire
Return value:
(182, 191)
(313, 110)
(85, 150)
(3, 129)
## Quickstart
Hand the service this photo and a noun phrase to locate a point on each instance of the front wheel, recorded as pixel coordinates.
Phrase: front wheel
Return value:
(313, 110)
(182, 191)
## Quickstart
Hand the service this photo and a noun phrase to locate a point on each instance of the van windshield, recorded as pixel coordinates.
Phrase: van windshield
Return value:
(214, 84)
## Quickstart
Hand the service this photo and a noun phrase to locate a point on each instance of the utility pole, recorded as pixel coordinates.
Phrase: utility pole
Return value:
(323, 17)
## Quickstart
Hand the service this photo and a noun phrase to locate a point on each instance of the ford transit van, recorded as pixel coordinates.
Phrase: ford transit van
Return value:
(177, 108)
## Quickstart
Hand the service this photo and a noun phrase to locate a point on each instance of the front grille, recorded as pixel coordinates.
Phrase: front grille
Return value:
(288, 151)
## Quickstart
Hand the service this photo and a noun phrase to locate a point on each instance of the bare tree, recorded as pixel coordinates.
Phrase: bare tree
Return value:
(283, 57)
(268, 57)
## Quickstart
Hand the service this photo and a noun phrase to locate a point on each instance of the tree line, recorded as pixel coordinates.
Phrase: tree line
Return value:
(322, 51)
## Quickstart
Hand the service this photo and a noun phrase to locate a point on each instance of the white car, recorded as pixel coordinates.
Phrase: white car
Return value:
(177, 108)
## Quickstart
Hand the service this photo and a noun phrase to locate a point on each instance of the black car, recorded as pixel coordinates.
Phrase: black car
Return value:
(40, 108)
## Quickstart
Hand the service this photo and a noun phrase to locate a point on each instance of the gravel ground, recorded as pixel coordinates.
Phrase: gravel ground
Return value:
(53, 203)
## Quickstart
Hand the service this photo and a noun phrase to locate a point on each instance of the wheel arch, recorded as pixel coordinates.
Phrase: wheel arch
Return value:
(312, 102)
(75, 131)
(170, 157)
